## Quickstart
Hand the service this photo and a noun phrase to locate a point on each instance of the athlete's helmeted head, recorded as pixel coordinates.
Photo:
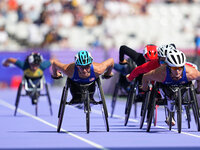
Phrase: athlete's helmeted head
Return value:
(83, 58)
(35, 59)
(150, 52)
(175, 58)
(162, 50)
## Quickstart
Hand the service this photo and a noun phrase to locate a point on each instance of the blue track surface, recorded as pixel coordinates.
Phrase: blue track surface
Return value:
(27, 132)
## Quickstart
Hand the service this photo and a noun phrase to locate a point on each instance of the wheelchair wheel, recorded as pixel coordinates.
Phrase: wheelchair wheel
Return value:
(187, 109)
(195, 108)
(170, 120)
(188, 116)
(144, 108)
(18, 97)
(87, 109)
(129, 103)
(49, 99)
(151, 109)
(62, 107)
(36, 108)
(179, 111)
(104, 107)
(114, 98)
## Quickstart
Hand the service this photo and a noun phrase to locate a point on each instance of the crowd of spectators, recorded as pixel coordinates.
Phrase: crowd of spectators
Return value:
(77, 24)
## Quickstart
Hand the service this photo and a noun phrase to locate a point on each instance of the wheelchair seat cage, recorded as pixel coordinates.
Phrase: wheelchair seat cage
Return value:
(86, 102)
(33, 90)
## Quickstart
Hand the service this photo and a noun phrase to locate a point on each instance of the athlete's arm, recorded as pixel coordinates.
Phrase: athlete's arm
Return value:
(157, 75)
(104, 67)
(144, 68)
(193, 74)
(57, 66)
(9, 61)
(45, 64)
(138, 58)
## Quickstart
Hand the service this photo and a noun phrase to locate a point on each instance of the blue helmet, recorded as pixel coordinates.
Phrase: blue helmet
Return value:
(83, 58)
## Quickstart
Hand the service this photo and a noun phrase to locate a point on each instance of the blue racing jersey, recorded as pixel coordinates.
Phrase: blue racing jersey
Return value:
(90, 79)
(168, 79)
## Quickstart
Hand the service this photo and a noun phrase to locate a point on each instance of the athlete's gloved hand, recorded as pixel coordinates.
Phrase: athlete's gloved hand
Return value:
(104, 76)
(124, 62)
(59, 75)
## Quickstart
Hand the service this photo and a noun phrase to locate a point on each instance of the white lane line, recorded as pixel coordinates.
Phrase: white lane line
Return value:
(3, 103)
(137, 121)
(134, 120)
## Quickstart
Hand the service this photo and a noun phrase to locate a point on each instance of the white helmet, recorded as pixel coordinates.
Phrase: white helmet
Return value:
(162, 50)
(175, 58)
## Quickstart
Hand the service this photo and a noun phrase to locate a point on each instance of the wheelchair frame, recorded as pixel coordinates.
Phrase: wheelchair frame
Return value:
(24, 84)
(178, 106)
(145, 105)
(131, 99)
(118, 87)
(86, 101)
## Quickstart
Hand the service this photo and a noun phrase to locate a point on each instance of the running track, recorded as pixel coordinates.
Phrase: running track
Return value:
(28, 132)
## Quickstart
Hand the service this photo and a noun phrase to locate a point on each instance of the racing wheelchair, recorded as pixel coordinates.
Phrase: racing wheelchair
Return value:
(135, 95)
(85, 100)
(33, 87)
(122, 86)
(178, 100)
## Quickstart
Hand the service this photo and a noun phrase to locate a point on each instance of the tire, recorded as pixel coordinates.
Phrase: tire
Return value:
(17, 99)
(114, 99)
(187, 110)
(195, 107)
(170, 120)
(62, 108)
(152, 104)
(62, 97)
(130, 101)
(144, 108)
(179, 111)
(49, 99)
(104, 107)
(87, 111)
(36, 108)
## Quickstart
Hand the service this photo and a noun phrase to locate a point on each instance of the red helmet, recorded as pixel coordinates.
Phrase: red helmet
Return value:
(150, 52)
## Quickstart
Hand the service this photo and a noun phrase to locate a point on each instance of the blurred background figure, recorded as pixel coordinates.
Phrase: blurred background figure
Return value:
(197, 44)
(63, 27)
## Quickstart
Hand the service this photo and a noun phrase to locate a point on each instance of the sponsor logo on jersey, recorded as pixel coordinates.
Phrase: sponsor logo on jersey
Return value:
(91, 79)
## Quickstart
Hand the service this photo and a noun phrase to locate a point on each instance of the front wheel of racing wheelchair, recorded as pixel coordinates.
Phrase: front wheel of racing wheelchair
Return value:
(86, 102)
(133, 97)
(122, 87)
(178, 102)
(33, 90)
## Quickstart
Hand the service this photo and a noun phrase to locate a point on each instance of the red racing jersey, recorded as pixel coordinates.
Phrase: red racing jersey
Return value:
(148, 66)
(144, 68)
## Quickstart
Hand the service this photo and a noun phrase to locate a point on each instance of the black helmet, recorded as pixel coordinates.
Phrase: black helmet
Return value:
(35, 58)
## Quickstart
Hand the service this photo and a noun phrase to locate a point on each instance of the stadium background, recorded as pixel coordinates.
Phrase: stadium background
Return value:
(60, 28)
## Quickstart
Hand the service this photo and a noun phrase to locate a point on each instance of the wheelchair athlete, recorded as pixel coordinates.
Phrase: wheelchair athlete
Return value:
(149, 53)
(153, 63)
(33, 68)
(174, 72)
(124, 70)
(82, 71)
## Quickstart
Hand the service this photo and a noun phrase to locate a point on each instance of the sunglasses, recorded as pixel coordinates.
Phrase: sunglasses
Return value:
(176, 68)
(84, 67)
